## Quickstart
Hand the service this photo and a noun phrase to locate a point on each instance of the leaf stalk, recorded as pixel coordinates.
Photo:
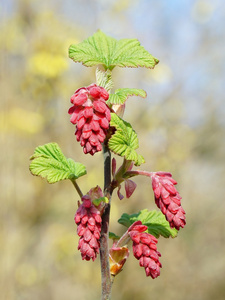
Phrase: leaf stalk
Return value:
(77, 187)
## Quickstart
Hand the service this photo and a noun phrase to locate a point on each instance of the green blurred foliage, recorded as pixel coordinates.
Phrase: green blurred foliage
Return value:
(39, 257)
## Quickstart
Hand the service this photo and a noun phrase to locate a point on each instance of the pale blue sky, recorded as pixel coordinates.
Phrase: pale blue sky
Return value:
(188, 36)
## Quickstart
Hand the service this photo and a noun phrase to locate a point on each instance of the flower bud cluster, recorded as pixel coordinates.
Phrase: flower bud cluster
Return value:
(168, 199)
(89, 222)
(91, 115)
(145, 249)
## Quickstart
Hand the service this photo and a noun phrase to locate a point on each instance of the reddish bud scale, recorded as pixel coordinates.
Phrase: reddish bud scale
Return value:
(89, 222)
(145, 250)
(91, 115)
(168, 199)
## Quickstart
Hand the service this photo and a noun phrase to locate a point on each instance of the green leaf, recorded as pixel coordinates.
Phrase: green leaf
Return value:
(98, 201)
(49, 162)
(113, 236)
(109, 52)
(121, 95)
(124, 141)
(154, 220)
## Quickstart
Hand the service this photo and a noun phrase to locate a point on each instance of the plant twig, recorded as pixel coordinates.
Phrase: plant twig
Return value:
(104, 247)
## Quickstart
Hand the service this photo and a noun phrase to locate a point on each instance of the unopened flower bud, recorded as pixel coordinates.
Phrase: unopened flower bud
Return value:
(91, 115)
(168, 199)
(88, 222)
(145, 249)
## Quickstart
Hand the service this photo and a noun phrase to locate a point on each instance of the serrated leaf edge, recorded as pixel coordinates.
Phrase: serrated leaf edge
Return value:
(118, 136)
(68, 173)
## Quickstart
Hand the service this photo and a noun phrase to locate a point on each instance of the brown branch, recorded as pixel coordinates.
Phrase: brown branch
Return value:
(104, 247)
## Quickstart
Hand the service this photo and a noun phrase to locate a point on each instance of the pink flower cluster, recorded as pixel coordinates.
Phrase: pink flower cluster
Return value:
(91, 115)
(145, 249)
(89, 222)
(168, 199)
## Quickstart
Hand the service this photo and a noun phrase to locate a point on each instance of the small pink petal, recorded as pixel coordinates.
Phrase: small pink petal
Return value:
(119, 194)
(79, 99)
(95, 91)
(104, 94)
(99, 106)
(88, 112)
(130, 187)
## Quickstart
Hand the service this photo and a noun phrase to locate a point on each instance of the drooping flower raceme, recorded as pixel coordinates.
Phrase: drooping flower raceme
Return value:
(89, 221)
(145, 249)
(91, 115)
(168, 199)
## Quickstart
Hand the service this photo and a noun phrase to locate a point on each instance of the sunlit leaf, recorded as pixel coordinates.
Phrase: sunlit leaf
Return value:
(154, 220)
(121, 95)
(49, 162)
(124, 141)
(109, 52)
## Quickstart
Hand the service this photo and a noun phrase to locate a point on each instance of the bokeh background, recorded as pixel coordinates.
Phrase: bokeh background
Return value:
(180, 126)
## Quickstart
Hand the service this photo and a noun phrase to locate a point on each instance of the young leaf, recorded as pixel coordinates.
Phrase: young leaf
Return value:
(104, 79)
(98, 201)
(49, 162)
(121, 95)
(113, 236)
(109, 52)
(154, 220)
(124, 141)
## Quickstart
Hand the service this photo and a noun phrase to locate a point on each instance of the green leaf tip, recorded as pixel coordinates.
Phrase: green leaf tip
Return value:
(49, 162)
(98, 201)
(109, 52)
(120, 95)
(124, 141)
(113, 236)
(154, 220)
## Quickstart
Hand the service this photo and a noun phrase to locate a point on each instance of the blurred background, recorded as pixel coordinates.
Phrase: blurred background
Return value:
(181, 129)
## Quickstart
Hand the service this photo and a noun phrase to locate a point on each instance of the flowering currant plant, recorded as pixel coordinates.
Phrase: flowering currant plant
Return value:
(97, 114)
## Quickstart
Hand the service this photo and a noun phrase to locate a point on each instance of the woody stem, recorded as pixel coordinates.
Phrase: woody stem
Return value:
(104, 248)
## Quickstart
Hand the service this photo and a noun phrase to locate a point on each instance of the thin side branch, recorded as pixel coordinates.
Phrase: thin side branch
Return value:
(77, 187)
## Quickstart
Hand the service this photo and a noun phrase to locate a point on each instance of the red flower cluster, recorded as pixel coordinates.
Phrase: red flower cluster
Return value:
(168, 199)
(91, 115)
(145, 249)
(89, 223)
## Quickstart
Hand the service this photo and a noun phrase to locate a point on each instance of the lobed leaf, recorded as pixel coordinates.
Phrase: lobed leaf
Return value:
(154, 220)
(49, 162)
(124, 141)
(109, 52)
(121, 95)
